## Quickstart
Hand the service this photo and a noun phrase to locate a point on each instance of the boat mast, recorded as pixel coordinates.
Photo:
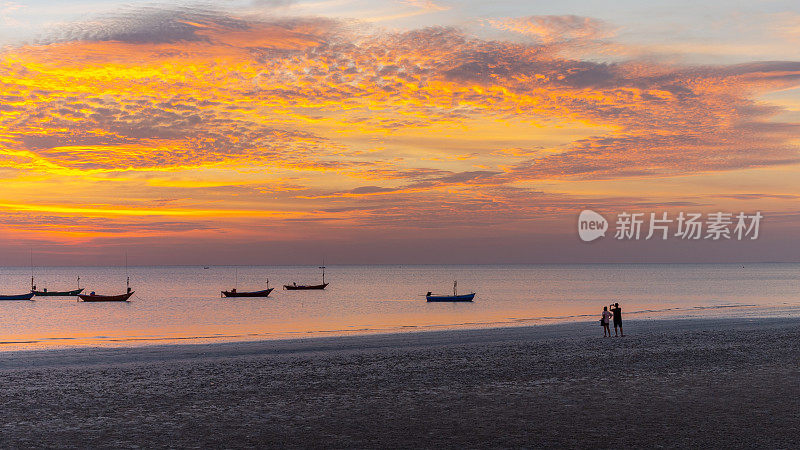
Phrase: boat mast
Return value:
(323, 270)
(127, 278)
(455, 283)
(33, 286)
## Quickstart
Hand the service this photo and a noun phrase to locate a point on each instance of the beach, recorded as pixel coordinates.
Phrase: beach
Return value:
(668, 383)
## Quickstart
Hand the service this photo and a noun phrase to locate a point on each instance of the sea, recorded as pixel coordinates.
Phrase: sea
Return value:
(182, 304)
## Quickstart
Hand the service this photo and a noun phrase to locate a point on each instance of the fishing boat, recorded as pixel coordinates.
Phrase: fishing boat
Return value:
(46, 293)
(17, 297)
(450, 298)
(235, 293)
(106, 298)
(300, 287)
(27, 296)
(92, 297)
(304, 287)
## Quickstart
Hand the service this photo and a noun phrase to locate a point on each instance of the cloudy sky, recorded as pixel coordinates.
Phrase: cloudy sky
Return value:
(391, 131)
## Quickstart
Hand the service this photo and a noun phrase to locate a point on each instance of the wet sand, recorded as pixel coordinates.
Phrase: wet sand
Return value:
(717, 383)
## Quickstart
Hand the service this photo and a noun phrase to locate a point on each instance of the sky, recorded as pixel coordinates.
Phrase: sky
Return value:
(393, 131)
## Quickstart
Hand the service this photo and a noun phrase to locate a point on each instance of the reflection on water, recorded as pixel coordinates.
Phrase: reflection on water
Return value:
(183, 304)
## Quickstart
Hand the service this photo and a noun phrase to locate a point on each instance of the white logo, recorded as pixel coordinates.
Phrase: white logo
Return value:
(591, 225)
(716, 226)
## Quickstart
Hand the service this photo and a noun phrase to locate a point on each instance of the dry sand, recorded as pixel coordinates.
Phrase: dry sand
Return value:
(716, 383)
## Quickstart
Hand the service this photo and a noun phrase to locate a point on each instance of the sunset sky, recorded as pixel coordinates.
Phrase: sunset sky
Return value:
(281, 132)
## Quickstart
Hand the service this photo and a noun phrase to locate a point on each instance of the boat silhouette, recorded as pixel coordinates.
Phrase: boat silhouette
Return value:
(106, 298)
(234, 293)
(450, 298)
(92, 297)
(27, 296)
(303, 287)
(46, 293)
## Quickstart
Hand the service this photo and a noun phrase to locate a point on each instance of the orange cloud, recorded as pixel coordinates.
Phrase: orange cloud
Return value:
(554, 29)
(307, 120)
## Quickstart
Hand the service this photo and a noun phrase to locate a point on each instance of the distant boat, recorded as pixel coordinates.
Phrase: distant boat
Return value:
(450, 298)
(300, 287)
(205, 267)
(46, 293)
(106, 298)
(303, 287)
(235, 293)
(92, 297)
(17, 297)
(27, 296)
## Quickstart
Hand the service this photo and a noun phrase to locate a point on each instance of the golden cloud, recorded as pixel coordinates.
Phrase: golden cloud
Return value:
(358, 120)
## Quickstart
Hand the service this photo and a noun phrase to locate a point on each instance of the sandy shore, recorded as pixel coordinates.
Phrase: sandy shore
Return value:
(718, 383)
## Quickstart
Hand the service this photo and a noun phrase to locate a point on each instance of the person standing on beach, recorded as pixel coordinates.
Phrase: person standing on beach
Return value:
(606, 316)
(617, 320)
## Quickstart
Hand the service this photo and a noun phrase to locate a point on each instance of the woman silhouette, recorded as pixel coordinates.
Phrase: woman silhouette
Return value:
(606, 316)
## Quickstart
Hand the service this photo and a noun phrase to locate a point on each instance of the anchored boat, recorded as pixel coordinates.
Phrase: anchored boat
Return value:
(303, 287)
(300, 287)
(106, 298)
(450, 298)
(46, 293)
(235, 293)
(92, 297)
(17, 297)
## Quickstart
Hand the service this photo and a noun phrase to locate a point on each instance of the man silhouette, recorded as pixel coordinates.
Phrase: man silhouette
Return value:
(617, 311)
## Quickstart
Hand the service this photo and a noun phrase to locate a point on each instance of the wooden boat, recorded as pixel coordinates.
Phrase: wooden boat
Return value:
(235, 293)
(105, 298)
(46, 293)
(300, 287)
(304, 287)
(27, 296)
(450, 298)
(92, 297)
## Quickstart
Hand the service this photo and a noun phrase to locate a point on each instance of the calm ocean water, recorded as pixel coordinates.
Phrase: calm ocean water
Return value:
(183, 304)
